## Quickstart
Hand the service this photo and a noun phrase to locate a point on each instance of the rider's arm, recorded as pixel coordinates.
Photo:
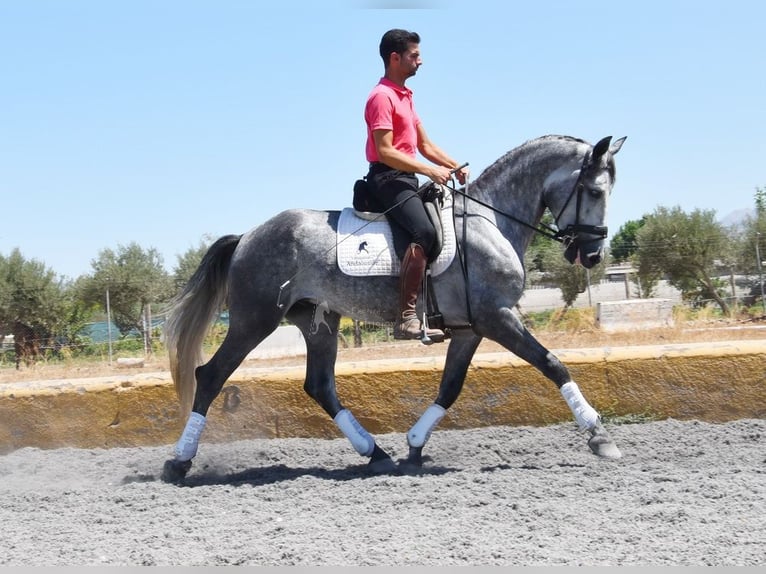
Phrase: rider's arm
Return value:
(392, 157)
(434, 153)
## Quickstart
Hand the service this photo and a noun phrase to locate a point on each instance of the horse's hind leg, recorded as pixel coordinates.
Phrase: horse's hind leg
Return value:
(320, 331)
(461, 349)
(210, 379)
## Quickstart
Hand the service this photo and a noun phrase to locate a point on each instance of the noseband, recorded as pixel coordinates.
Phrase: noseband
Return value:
(569, 234)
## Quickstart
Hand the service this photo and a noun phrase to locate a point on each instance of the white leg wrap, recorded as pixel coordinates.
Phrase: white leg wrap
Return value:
(186, 447)
(585, 415)
(361, 440)
(421, 430)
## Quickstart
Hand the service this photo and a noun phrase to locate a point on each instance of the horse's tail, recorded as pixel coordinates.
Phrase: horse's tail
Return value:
(192, 313)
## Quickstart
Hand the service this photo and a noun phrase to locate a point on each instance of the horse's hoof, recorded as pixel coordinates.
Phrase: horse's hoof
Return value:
(174, 471)
(408, 466)
(414, 461)
(381, 463)
(382, 466)
(602, 444)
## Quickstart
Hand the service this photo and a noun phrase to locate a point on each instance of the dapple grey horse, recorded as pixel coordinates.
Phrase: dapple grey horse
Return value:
(287, 267)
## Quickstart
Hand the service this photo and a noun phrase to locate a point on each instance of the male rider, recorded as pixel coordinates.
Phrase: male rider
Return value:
(394, 135)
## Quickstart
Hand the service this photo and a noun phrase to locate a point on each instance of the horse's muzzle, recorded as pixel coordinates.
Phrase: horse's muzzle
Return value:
(588, 254)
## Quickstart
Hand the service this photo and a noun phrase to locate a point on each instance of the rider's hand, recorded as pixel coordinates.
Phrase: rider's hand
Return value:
(462, 175)
(439, 174)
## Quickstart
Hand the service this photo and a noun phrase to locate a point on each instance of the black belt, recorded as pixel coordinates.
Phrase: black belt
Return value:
(379, 165)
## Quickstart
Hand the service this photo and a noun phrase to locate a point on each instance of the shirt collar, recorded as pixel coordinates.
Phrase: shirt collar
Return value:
(404, 90)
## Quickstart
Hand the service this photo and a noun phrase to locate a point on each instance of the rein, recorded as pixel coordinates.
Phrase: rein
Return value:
(566, 235)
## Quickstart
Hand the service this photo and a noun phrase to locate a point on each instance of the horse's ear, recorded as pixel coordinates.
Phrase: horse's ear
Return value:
(616, 146)
(601, 148)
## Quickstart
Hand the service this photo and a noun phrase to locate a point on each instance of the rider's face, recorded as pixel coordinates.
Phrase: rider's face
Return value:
(410, 61)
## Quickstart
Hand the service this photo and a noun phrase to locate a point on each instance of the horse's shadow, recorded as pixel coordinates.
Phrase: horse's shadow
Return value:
(282, 473)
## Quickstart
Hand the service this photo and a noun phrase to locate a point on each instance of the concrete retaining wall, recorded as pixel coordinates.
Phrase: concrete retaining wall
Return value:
(634, 314)
(714, 382)
(285, 341)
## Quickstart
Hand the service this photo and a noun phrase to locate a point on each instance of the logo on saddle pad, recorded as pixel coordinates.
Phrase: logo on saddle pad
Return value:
(365, 247)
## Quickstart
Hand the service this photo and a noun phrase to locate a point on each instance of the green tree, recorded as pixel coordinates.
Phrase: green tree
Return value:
(544, 260)
(623, 244)
(188, 262)
(684, 248)
(753, 232)
(751, 242)
(760, 202)
(33, 303)
(77, 312)
(536, 255)
(134, 279)
(570, 279)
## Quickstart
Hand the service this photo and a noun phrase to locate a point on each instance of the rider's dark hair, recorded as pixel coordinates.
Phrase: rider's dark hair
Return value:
(398, 41)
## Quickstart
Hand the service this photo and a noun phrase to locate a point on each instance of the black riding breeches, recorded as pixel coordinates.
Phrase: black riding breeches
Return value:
(397, 191)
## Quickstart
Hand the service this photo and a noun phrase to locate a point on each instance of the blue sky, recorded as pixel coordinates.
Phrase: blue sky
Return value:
(166, 122)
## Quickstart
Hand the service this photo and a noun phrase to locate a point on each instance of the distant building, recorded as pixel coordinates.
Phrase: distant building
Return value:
(619, 273)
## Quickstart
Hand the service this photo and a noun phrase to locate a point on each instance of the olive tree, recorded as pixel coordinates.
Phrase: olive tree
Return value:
(685, 248)
(132, 278)
(570, 279)
(35, 304)
(623, 244)
(188, 262)
(751, 245)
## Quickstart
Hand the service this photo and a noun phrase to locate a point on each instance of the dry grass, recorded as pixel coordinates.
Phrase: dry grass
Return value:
(569, 332)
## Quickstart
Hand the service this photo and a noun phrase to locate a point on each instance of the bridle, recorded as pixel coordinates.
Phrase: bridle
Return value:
(569, 234)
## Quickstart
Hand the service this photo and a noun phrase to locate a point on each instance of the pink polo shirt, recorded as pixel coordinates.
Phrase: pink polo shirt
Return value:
(390, 107)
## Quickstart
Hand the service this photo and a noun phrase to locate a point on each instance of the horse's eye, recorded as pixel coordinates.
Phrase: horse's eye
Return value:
(595, 192)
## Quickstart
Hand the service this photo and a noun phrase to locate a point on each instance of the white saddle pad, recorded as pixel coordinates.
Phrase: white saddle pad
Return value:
(366, 247)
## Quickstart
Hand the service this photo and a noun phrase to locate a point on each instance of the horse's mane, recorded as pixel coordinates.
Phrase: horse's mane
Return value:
(512, 155)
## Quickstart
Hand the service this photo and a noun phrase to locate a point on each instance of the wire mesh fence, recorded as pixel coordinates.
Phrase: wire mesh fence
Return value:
(97, 341)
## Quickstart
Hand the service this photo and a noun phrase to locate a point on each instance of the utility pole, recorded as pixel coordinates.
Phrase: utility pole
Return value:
(109, 322)
(148, 330)
(760, 271)
(627, 283)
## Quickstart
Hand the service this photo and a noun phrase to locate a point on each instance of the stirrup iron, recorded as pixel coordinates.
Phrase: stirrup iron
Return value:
(424, 338)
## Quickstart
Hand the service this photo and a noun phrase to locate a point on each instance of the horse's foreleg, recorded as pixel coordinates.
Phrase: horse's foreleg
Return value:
(461, 349)
(321, 352)
(520, 341)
